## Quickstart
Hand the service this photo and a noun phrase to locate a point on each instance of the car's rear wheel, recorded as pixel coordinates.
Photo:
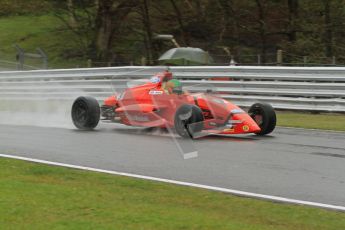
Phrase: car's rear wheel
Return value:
(264, 115)
(188, 120)
(85, 113)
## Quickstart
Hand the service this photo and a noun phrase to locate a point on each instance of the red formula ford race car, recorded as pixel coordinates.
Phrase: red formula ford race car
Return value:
(162, 102)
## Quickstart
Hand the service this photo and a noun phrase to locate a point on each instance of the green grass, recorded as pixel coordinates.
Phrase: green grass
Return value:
(44, 31)
(34, 196)
(312, 121)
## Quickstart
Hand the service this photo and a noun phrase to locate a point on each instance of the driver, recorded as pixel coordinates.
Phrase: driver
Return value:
(170, 85)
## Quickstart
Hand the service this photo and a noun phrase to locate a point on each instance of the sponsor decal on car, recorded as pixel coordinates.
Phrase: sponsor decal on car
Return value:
(154, 79)
(245, 128)
(237, 111)
(155, 92)
(229, 130)
(212, 123)
(138, 118)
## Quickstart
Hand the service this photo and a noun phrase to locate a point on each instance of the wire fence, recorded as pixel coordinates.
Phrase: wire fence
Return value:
(269, 59)
(10, 65)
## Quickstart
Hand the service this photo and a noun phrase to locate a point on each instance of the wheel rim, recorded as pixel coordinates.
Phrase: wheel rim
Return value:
(258, 119)
(80, 111)
(182, 124)
(185, 116)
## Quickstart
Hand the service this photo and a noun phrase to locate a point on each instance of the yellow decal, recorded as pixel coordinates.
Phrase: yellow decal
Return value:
(229, 130)
(245, 128)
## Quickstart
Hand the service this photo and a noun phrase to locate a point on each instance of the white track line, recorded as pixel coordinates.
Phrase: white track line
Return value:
(225, 190)
(310, 129)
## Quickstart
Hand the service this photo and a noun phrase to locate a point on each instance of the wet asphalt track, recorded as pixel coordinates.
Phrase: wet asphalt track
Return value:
(292, 163)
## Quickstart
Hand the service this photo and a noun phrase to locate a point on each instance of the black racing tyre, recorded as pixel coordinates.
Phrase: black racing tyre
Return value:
(264, 115)
(85, 113)
(188, 120)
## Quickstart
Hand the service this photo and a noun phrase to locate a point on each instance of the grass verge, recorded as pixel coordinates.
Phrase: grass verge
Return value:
(44, 31)
(311, 121)
(34, 196)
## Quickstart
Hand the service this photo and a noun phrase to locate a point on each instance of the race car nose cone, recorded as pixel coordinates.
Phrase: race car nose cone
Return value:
(246, 124)
(250, 126)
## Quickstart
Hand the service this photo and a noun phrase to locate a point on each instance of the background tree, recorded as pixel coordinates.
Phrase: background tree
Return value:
(113, 30)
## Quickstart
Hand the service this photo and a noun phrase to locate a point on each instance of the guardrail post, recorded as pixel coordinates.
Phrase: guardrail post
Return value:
(143, 61)
(89, 63)
(44, 57)
(232, 61)
(279, 57)
(305, 60)
(19, 57)
(333, 60)
(259, 59)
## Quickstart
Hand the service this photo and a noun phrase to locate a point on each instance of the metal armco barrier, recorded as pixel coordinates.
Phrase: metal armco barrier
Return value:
(292, 88)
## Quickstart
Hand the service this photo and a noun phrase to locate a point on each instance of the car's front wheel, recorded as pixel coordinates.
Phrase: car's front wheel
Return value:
(264, 115)
(188, 120)
(85, 113)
